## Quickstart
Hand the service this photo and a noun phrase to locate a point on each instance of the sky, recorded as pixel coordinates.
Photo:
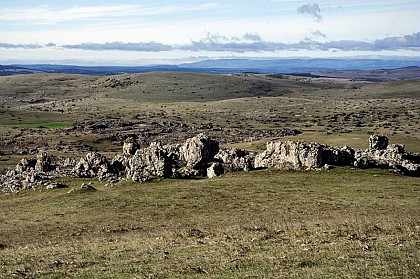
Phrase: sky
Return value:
(127, 32)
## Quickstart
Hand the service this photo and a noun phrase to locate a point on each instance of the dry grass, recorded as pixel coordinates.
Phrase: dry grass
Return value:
(262, 224)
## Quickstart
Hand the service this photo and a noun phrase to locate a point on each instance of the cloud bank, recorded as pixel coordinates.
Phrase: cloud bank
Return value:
(249, 42)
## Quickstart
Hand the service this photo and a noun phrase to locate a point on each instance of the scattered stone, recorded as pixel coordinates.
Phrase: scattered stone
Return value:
(200, 156)
(56, 185)
(87, 187)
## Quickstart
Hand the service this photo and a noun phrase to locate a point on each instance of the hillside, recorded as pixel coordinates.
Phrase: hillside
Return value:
(298, 224)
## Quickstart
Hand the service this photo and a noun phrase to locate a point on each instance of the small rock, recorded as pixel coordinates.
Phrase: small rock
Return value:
(216, 169)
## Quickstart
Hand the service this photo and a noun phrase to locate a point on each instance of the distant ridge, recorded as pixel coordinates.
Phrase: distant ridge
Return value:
(223, 66)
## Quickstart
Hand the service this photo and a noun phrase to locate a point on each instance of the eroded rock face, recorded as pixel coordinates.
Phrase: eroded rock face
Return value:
(130, 146)
(216, 169)
(93, 165)
(393, 157)
(43, 162)
(377, 142)
(149, 163)
(290, 155)
(198, 151)
(234, 159)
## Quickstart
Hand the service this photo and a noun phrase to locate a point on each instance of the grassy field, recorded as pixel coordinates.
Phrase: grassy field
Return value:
(342, 223)
(261, 224)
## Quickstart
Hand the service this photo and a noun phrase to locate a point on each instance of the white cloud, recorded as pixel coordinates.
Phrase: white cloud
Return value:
(46, 15)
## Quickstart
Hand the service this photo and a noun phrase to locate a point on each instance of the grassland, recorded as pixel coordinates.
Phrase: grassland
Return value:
(342, 223)
(261, 224)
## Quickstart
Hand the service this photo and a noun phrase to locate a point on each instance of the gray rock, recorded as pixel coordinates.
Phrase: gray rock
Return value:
(119, 165)
(198, 151)
(130, 146)
(43, 162)
(25, 165)
(216, 169)
(290, 155)
(93, 165)
(377, 142)
(234, 159)
(149, 163)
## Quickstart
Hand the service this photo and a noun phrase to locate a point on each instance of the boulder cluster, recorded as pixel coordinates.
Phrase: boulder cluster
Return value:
(201, 156)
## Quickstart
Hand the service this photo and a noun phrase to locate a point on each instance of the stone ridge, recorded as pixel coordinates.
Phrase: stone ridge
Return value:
(201, 156)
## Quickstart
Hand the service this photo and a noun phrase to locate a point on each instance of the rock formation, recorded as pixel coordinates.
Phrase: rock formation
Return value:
(93, 165)
(234, 159)
(201, 156)
(130, 146)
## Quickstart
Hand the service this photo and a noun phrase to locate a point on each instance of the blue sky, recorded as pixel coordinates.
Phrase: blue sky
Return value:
(173, 31)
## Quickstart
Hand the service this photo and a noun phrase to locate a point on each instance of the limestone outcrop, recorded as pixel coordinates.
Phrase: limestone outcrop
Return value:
(234, 159)
(93, 165)
(201, 156)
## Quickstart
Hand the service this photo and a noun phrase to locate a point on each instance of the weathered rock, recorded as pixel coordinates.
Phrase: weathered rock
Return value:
(393, 157)
(87, 187)
(119, 165)
(25, 165)
(235, 159)
(186, 173)
(43, 162)
(93, 165)
(337, 156)
(216, 169)
(377, 142)
(130, 146)
(290, 155)
(198, 151)
(149, 163)
(56, 185)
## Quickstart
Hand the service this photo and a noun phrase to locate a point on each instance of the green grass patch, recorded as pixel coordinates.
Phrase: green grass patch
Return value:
(281, 92)
(47, 125)
(359, 133)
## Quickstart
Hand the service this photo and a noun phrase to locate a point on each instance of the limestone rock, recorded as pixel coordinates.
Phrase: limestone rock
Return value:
(393, 157)
(130, 146)
(149, 163)
(25, 165)
(119, 165)
(216, 169)
(43, 162)
(198, 151)
(93, 165)
(235, 159)
(377, 142)
(290, 155)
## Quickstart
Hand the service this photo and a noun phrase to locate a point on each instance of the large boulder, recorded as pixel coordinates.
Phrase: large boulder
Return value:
(290, 155)
(93, 165)
(149, 163)
(198, 151)
(234, 159)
